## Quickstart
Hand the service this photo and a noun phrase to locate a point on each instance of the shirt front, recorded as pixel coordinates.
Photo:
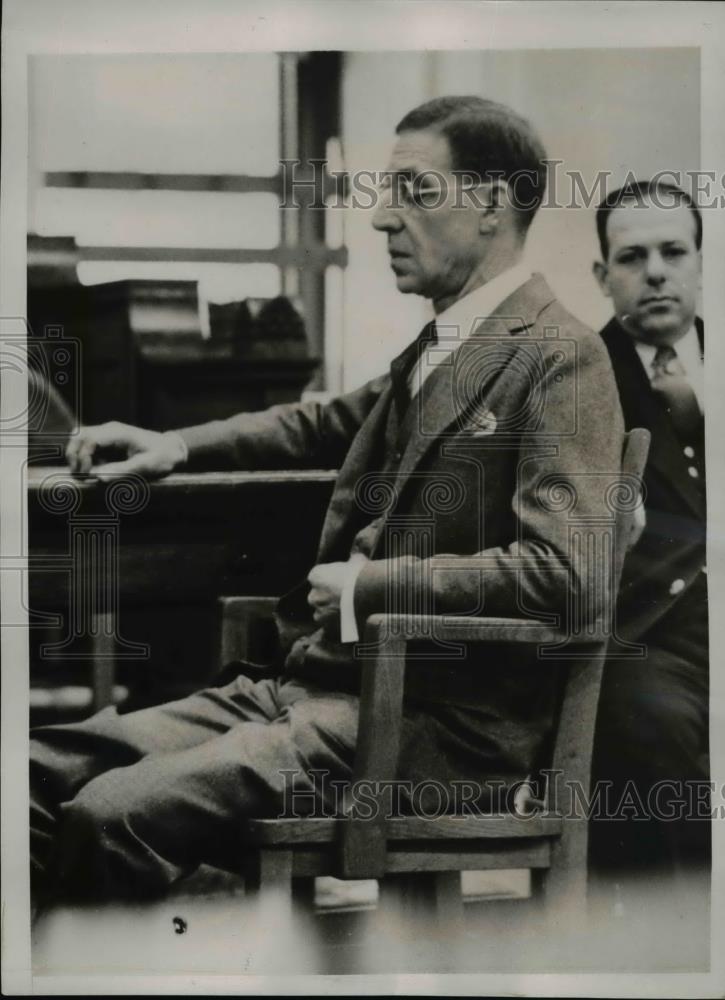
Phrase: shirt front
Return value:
(459, 321)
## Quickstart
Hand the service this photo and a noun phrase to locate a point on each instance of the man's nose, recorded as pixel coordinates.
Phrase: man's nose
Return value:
(385, 218)
(655, 268)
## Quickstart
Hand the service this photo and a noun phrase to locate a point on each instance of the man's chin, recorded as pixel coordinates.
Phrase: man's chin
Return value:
(664, 325)
(407, 284)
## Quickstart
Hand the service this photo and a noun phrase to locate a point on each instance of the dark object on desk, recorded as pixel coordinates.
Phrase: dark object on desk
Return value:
(256, 356)
(144, 360)
(52, 261)
(259, 328)
(229, 322)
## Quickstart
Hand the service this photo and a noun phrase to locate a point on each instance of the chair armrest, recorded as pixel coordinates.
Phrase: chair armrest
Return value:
(461, 628)
(363, 839)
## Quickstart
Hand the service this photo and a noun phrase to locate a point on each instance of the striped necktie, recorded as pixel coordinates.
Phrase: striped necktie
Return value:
(670, 382)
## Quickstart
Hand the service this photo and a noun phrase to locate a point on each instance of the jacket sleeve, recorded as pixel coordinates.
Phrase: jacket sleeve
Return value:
(562, 508)
(287, 436)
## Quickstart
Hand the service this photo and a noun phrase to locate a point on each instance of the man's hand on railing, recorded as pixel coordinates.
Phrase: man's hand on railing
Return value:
(147, 453)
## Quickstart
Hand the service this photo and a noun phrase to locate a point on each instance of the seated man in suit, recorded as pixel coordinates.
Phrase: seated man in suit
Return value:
(652, 731)
(507, 390)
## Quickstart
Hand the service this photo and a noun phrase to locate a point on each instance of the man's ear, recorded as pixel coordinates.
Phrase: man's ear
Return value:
(601, 273)
(495, 202)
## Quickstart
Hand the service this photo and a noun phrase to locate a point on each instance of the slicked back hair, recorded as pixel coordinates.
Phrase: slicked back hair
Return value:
(659, 192)
(490, 140)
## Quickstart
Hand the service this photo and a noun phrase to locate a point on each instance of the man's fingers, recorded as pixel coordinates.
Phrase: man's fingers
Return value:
(112, 470)
(315, 597)
(84, 456)
(324, 615)
(79, 454)
(320, 598)
(71, 454)
(72, 447)
(138, 464)
(86, 441)
(83, 444)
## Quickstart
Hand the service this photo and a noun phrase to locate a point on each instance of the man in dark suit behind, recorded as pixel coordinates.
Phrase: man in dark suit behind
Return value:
(652, 731)
(515, 394)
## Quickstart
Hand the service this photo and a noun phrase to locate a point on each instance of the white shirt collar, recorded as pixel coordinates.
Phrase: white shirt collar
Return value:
(459, 320)
(689, 353)
(456, 323)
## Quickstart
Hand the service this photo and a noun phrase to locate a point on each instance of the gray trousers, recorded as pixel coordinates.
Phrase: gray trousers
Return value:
(123, 805)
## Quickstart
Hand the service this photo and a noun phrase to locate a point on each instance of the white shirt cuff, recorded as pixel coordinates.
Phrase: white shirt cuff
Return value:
(348, 625)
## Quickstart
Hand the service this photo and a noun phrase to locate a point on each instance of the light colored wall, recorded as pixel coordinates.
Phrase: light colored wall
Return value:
(597, 109)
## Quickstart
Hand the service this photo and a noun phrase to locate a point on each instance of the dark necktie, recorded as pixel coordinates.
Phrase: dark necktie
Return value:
(403, 366)
(679, 399)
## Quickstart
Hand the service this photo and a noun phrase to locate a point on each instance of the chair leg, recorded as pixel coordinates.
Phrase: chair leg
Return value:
(278, 939)
(269, 879)
(448, 900)
(303, 893)
(402, 895)
(562, 894)
(426, 896)
(420, 923)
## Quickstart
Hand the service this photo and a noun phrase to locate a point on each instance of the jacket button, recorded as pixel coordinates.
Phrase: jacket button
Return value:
(689, 452)
(676, 586)
(692, 471)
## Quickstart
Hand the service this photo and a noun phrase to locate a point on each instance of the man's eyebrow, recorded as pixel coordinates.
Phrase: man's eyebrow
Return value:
(675, 241)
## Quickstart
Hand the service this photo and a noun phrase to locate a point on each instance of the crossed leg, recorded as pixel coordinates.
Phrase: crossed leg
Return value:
(123, 805)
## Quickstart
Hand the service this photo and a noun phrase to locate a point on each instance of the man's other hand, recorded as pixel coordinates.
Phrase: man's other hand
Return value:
(326, 581)
(146, 453)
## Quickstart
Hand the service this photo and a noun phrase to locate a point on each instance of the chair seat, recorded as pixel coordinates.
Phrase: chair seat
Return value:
(501, 826)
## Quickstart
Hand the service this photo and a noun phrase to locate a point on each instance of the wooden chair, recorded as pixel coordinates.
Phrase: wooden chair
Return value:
(549, 839)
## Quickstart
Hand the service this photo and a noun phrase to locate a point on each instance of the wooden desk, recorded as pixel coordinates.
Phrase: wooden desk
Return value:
(165, 550)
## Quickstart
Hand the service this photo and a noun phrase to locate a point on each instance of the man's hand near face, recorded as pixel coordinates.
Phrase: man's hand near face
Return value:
(150, 454)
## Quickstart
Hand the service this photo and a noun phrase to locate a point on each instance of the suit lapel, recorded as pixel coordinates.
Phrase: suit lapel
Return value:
(446, 399)
(366, 454)
(343, 512)
(642, 409)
